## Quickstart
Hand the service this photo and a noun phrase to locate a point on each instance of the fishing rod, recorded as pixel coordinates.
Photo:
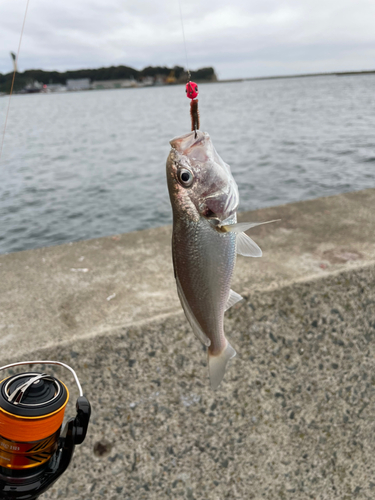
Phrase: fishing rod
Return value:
(34, 452)
(15, 60)
(34, 449)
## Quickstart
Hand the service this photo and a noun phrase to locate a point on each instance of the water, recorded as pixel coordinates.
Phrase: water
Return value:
(89, 164)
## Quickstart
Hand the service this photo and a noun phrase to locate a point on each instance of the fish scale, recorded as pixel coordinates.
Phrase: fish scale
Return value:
(206, 275)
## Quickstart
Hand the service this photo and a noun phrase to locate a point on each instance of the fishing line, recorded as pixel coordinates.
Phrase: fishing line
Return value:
(14, 76)
(191, 87)
(183, 35)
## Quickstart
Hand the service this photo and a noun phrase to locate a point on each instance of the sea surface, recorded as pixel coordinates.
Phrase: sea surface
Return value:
(88, 164)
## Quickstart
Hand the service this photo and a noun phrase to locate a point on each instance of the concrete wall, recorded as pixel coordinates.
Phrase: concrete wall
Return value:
(294, 417)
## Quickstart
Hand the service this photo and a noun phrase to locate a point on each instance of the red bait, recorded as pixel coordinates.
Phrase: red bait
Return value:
(192, 93)
(191, 90)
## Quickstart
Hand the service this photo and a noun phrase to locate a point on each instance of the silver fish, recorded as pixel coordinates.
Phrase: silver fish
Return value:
(205, 241)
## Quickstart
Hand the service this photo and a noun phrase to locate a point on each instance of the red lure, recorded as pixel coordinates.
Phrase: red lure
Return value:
(191, 90)
(192, 93)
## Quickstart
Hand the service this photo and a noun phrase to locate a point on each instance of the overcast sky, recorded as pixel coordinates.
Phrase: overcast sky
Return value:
(239, 38)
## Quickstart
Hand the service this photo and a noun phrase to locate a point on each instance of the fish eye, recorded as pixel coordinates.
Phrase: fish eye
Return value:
(185, 177)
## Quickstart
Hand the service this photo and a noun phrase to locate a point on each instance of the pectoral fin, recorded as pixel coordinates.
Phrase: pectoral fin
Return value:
(198, 332)
(244, 226)
(247, 247)
(232, 299)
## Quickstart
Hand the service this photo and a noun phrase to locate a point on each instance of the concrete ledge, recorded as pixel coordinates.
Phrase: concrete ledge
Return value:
(57, 294)
(295, 415)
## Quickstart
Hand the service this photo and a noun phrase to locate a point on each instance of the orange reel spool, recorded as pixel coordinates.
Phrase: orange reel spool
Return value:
(32, 407)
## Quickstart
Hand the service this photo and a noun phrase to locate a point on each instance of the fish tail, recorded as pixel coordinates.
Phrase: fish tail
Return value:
(217, 364)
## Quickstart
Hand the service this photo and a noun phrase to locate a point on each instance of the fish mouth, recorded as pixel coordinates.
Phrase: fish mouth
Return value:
(183, 143)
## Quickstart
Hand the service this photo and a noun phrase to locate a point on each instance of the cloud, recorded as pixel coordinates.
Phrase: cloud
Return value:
(239, 38)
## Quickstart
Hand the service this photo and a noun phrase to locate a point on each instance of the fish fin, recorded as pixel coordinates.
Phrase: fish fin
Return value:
(244, 226)
(217, 364)
(247, 247)
(198, 332)
(232, 299)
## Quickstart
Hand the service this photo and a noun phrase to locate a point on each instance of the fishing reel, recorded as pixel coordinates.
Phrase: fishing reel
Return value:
(33, 451)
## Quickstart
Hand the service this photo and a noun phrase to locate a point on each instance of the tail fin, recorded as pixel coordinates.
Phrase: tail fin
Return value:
(217, 364)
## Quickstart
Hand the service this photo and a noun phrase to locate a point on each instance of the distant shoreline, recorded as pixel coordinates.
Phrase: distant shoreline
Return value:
(236, 80)
(306, 75)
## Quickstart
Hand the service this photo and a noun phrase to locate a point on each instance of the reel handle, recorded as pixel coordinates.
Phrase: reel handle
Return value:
(81, 422)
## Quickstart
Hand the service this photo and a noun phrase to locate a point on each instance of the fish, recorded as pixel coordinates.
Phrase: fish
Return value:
(206, 239)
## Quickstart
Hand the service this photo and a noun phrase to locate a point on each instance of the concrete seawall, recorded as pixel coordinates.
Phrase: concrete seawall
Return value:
(294, 417)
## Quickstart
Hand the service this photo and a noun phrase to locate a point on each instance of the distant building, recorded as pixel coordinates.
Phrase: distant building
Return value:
(55, 87)
(159, 80)
(79, 84)
(114, 84)
(171, 79)
(147, 81)
(32, 88)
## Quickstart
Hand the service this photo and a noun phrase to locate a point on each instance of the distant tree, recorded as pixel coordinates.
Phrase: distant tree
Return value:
(100, 74)
(178, 71)
(204, 74)
(154, 71)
